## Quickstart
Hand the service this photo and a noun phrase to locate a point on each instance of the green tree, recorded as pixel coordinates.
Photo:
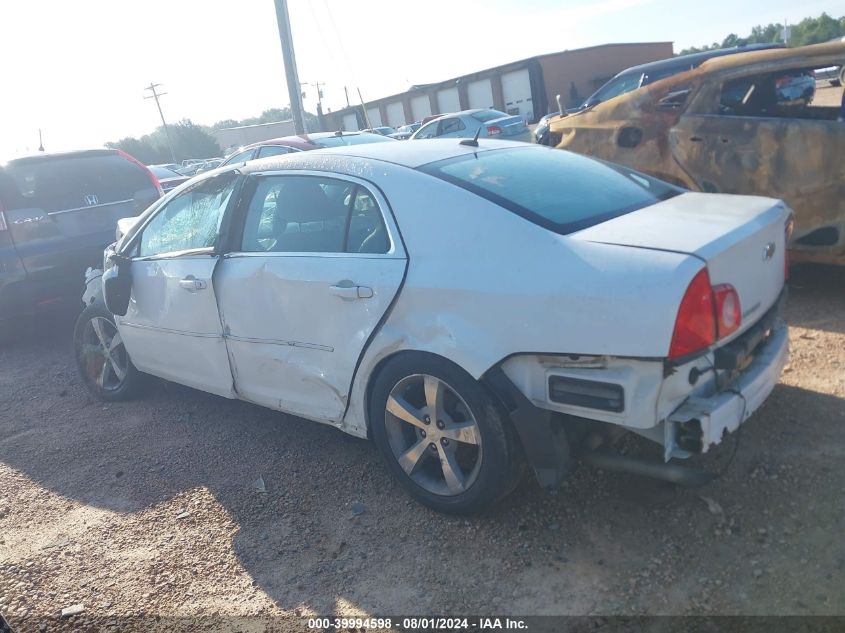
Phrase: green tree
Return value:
(189, 141)
(807, 31)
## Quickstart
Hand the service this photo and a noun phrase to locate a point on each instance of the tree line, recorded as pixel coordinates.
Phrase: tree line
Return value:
(807, 31)
(191, 140)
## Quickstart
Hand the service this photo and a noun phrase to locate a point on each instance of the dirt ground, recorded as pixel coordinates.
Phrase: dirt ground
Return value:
(151, 507)
(827, 95)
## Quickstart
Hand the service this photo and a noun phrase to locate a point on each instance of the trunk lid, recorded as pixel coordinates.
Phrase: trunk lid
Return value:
(509, 125)
(741, 239)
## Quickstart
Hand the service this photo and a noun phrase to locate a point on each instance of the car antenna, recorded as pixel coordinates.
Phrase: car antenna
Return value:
(472, 142)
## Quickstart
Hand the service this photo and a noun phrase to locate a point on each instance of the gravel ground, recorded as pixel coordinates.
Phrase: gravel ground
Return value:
(152, 507)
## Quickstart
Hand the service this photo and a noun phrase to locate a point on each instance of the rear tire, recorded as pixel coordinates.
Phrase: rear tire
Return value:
(442, 436)
(101, 357)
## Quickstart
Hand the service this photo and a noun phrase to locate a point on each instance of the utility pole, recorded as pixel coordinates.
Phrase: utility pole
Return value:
(155, 95)
(291, 74)
(319, 103)
(40, 141)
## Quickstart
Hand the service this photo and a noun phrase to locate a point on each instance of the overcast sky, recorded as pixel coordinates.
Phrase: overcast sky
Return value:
(77, 70)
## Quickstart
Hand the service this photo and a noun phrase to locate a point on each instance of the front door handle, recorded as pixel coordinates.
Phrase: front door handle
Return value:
(348, 290)
(192, 284)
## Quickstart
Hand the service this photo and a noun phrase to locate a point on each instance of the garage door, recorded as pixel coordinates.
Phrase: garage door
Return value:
(350, 123)
(516, 89)
(448, 100)
(480, 94)
(395, 114)
(421, 107)
(374, 116)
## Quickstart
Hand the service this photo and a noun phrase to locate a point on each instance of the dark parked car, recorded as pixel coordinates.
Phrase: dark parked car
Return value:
(541, 131)
(169, 178)
(302, 143)
(57, 214)
(644, 74)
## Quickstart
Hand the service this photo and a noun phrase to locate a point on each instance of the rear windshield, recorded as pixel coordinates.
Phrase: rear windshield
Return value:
(351, 139)
(489, 115)
(558, 190)
(164, 172)
(73, 182)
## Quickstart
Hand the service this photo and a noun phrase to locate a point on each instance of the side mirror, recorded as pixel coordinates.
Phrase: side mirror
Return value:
(117, 286)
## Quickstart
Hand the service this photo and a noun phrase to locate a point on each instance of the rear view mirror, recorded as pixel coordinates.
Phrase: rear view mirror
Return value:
(117, 286)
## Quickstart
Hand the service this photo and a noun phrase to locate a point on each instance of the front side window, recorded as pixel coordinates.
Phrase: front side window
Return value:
(191, 220)
(313, 214)
(558, 190)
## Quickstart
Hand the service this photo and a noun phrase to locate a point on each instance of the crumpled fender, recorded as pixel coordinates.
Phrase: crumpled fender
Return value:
(93, 286)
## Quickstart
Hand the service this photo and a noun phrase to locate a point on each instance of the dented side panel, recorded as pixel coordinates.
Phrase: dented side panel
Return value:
(293, 342)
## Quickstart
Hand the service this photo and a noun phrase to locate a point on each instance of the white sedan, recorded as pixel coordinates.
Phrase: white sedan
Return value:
(470, 306)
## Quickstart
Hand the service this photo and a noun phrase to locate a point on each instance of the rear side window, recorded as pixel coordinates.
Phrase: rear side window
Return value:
(75, 182)
(310, 214)
(560, 191)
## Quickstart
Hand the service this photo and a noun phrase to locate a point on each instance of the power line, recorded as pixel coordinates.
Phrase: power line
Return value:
(155, 95)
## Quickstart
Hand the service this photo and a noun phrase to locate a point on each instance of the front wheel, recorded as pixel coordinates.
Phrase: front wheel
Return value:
(442, 435)
(101, 357)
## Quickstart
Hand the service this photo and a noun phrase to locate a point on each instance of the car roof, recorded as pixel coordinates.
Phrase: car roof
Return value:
(46, 156)
(410, 154)
(302, 141)
(694, 58)
(816, 53)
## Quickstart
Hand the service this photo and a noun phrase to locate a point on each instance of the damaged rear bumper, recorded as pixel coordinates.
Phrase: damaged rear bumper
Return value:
(707, 421)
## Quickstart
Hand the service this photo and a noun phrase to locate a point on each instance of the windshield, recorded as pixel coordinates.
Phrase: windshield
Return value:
(351, 139)
(558, 190)
(488, 115)
(614, 88)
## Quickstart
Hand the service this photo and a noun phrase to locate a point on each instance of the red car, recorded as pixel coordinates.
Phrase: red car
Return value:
(302, 143)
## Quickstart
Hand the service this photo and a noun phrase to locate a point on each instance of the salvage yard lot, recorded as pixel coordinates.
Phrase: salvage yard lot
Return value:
(153, 506)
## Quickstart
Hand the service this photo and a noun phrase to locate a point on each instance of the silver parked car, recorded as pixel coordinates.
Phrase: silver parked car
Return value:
(468, 123)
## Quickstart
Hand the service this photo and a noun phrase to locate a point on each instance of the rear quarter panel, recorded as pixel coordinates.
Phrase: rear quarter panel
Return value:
(483, 284)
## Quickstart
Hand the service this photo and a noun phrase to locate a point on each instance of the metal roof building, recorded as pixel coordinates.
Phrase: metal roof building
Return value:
(527, 87)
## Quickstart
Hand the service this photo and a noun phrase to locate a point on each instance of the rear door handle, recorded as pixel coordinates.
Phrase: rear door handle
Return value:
(192, 284)
(348, 290)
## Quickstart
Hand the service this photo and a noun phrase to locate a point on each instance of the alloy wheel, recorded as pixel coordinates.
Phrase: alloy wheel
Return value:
(433, 435)
(105, 360)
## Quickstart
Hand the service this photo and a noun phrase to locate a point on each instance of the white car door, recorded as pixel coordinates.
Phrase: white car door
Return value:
(172, 327)
(318, 264)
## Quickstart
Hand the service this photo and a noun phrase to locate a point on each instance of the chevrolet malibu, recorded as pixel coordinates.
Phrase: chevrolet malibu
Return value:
(470, 306)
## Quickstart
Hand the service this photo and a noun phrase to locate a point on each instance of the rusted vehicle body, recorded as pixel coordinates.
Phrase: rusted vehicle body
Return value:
(743, 124)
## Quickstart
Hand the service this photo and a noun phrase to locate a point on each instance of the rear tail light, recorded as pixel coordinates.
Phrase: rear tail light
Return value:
(153, 178)
(695, 325)
(728, 310)
(707, 313)
(493, 130)
(788, 228)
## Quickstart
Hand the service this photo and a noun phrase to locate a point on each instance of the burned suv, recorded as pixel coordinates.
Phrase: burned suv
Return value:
(57, 214)
(749, 123)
